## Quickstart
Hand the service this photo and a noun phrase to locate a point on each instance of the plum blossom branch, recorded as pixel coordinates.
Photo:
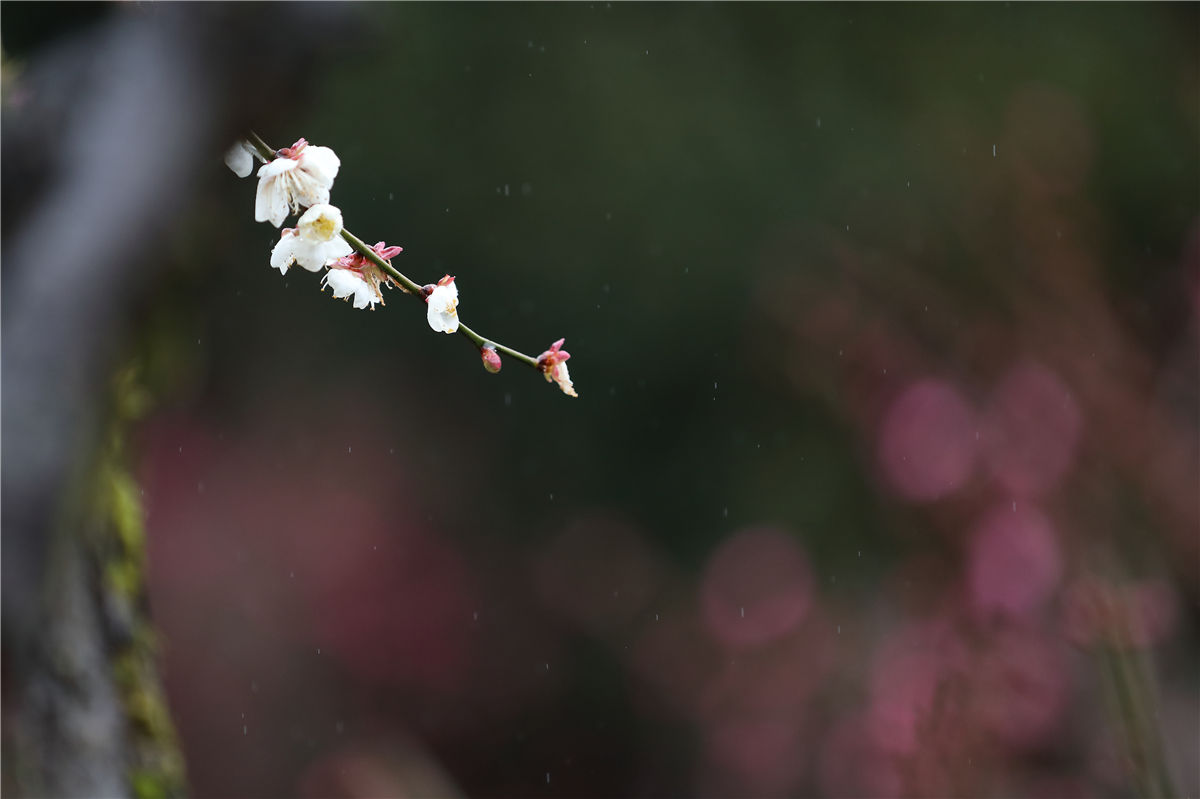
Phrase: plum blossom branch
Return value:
(301, 177)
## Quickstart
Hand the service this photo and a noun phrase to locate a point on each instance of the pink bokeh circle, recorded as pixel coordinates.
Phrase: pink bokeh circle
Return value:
(1031, 428)
(1013, 561)
(756, 588)
(927, 441)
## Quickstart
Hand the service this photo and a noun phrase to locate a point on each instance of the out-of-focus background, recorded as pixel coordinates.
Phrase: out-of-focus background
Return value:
(883, 476)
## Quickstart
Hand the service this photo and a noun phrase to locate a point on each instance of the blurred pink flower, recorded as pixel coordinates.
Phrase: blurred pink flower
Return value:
(599, 573)
(760, 757)
(1020, 686)
(1013, 561)
(927, 441)
(756, 588)
(776, 680)
(907, 672)
(393, 604)
(1031, 428)
(675, 657)
(852, 764)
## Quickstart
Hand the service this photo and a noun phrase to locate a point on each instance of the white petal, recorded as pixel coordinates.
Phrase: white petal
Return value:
(283, 255)
(364, 296)
(344, 283)
(315, 256)
(276, 167)
(563, 378)
(443, 321)
(442, 311)
(322, 163)
(271, 202)
(340, 281)
(239, 159)
(337, 248)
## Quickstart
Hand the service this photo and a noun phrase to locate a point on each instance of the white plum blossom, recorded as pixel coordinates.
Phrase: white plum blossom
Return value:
(442, 300)
(314, 243)
(347, 283)
(299, 177)
(240, 158)
(355, 275)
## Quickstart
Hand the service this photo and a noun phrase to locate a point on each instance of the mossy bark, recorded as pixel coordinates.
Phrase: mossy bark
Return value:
(91, 717)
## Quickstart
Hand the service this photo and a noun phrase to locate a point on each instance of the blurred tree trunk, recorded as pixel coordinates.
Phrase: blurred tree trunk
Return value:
(105, 135)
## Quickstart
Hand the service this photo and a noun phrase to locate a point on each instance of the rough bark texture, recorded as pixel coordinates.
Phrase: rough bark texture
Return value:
(102, 142)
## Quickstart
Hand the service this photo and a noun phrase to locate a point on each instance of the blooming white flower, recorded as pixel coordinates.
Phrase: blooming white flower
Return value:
(346, 283)
(443, 306)
(240, 158)
(299, 177)
(314, 243)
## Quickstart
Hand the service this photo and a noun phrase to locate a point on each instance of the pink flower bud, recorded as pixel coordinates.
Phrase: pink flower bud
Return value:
(491, 358)
(294, 151)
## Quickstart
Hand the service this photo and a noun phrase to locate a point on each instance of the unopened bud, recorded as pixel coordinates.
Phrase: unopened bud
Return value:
(491, 358)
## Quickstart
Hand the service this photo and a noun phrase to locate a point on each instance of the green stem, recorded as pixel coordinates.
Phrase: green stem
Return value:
(412, 288)
(263, 148)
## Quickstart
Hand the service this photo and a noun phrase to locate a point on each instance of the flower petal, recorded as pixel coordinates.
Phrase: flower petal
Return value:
(283, 255)
(271, 201)
(345, 283)
(239, 159)
(322, 163)
(442, 311)
(563, 378)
